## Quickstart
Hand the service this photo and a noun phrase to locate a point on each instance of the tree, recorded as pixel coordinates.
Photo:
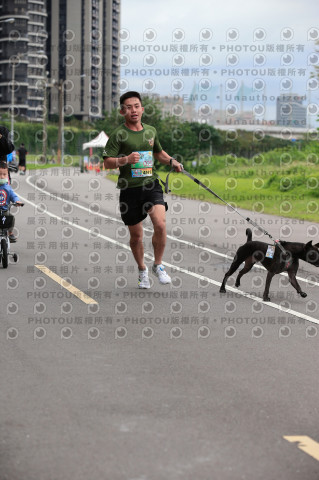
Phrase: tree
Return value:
(187, 140)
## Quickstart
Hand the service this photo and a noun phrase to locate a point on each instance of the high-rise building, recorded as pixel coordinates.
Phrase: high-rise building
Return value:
(176, 107)
(289, 110)
(70, 44)
(22, 36)
(83, 52)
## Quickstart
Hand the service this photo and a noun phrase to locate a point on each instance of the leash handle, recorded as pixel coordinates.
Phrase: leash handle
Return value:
(165, 184)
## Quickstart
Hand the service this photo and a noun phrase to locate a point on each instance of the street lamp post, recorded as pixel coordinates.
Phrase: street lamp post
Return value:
(60, 87)
(61, 122)
(43, 85)
(45, 116)
(12, 99)
(14, 62)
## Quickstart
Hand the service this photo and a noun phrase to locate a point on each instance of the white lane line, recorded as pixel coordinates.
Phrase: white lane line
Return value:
(114, 219)
(182, 270)
(171, 237)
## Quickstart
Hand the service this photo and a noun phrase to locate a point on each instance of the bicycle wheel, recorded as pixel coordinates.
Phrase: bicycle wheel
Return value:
(4, 252)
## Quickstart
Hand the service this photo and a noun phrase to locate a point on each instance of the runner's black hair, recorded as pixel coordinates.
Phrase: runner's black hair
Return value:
(127, 95)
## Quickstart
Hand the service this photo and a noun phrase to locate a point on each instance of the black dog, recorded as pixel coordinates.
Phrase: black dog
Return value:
(254, 251)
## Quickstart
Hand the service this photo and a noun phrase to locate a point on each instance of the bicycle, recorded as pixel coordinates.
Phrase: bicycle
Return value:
(6, 222)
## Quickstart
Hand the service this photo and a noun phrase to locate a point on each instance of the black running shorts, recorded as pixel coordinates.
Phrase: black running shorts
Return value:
(136, 201)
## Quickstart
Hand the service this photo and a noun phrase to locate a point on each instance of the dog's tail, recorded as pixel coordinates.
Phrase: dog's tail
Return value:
(249, 234)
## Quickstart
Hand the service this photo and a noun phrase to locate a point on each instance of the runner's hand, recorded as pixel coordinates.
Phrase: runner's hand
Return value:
(178, 167)
(133, 158)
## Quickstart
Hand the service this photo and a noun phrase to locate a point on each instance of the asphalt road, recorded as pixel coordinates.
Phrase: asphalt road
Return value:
(176, 382)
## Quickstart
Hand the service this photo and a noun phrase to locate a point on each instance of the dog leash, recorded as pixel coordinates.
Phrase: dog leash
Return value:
(249, 220)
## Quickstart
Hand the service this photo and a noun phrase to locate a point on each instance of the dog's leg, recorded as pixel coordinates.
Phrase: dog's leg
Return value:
(294, 283)
(266, 291)
(231, 270)
(248, 266)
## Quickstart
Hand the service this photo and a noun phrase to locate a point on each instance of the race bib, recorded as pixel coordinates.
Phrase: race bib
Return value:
(270, 251)
(143, 168)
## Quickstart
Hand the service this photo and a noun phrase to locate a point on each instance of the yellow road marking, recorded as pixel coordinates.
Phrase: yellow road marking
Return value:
(306, 444)
(67, 285)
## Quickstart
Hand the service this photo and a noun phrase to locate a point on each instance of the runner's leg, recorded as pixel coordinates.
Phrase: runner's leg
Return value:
(157, 216)
(136, 244)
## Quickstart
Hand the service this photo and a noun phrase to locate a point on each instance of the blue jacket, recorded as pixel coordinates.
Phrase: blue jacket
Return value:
(7, 195)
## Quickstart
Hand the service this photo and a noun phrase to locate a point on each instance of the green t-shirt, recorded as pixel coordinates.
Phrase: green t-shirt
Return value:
(123, 142)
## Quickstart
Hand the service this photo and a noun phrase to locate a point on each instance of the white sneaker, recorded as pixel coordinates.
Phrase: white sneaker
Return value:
(143, 280)
(161, 274)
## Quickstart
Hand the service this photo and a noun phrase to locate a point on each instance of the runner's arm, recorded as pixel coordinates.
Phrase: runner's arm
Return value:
(116, 162)
(164, 158)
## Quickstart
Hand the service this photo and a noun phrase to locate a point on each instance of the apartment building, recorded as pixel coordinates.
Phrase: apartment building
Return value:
(83, 52)
(69, 44)
(22, 36)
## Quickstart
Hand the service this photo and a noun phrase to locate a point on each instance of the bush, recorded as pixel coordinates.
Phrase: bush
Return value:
(31, 134)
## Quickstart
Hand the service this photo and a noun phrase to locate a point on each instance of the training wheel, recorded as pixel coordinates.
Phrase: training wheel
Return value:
(15, 257)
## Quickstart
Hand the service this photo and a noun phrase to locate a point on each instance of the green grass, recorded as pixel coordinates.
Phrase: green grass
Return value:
(285, 192)
(272, 185)
(34, 162)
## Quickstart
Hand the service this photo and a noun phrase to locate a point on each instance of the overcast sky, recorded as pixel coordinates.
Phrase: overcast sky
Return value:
(251, 48)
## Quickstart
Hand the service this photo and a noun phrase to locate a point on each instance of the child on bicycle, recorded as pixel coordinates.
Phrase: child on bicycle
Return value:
(7, 196)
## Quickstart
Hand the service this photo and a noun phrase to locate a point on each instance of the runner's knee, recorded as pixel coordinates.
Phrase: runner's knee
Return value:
(136, 237)
(160, 227)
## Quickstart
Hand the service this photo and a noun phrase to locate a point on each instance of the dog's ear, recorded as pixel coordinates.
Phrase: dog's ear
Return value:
(316, 245)
(308, 245)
